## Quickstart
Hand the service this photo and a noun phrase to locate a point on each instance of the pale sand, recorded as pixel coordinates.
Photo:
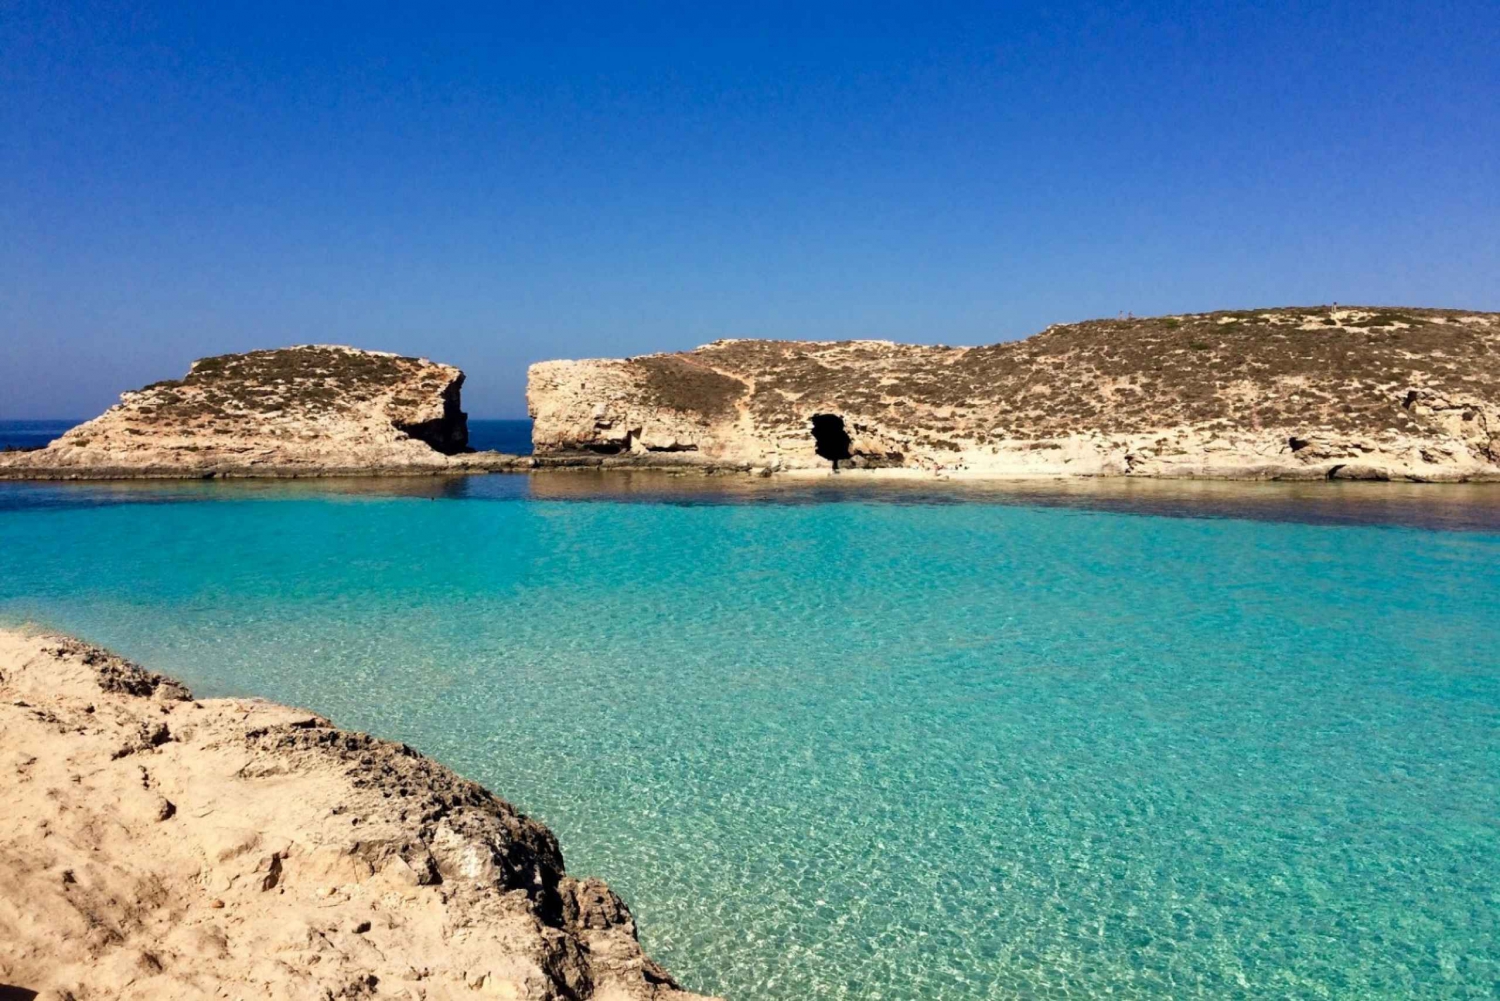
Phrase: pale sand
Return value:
(152, 846)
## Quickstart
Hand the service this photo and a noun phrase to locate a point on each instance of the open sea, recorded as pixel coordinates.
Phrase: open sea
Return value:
(841, 741)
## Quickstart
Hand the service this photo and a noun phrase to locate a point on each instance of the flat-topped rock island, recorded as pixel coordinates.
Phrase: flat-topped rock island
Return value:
(311, 410)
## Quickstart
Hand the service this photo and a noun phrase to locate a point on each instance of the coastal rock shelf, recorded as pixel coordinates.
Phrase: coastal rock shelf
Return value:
(1337, 393)
(158, 847)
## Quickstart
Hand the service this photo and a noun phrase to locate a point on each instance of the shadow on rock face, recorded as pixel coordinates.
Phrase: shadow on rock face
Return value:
(832, 440)
(9, 992)
(448, 434)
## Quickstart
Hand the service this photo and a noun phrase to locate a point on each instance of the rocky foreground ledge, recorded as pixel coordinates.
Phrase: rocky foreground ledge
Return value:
(153, 846)
(1288, 393)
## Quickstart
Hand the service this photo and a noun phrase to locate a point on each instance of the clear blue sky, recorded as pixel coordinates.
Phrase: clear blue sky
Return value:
(504, 183)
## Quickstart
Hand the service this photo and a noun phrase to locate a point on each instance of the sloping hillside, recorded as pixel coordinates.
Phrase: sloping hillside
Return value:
(1290, 392)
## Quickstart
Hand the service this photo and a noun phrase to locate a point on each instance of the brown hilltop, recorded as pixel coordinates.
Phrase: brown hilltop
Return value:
(1288, 392)
(308, 384)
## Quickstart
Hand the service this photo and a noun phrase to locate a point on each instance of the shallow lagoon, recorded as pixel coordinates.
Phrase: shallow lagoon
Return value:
(840, 740)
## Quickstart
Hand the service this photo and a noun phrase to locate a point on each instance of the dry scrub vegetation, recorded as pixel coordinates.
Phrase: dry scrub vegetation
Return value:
(301, 381)
(1346, 370)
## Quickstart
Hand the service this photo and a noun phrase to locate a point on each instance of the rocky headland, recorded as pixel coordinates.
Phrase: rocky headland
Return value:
(302, 411)
(1290, 393)
(154, 846)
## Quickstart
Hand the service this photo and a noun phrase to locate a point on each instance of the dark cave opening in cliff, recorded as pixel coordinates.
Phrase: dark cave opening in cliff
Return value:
(449, 433)
(832, 440)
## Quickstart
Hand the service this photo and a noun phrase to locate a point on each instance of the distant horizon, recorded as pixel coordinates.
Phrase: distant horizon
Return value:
(496, 185)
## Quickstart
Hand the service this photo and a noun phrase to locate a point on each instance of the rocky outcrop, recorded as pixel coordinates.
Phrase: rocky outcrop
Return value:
(306, 410)
(156, 847)
(1278, 393)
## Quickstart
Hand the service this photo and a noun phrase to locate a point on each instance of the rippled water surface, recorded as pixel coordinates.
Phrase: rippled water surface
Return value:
(847, 743)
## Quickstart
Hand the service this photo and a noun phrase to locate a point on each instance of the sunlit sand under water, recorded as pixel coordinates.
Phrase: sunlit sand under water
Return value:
(852, 740)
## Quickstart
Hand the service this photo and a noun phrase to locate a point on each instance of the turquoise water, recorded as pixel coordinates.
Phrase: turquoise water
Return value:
(830, 746)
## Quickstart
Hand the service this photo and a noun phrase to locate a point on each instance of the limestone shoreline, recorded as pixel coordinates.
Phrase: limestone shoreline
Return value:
(158, 846)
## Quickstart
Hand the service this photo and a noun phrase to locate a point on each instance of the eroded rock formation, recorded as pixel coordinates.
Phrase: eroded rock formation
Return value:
(156, 847)
(293, 411)
(1278, 393)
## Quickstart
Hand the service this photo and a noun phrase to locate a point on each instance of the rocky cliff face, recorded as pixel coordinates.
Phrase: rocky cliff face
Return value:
(298, 410)
(153, 846)
(1277, 393)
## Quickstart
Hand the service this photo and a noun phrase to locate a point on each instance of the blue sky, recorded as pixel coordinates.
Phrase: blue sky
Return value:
(498, 184)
